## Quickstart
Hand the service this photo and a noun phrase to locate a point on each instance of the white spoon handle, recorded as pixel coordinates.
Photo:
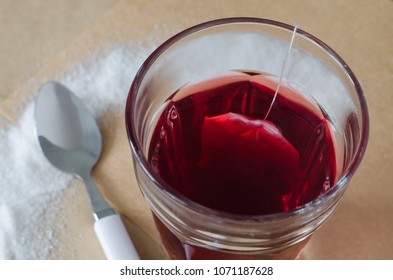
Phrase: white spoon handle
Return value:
(114, 238)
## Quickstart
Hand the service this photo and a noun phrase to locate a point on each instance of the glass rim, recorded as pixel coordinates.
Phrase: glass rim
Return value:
(172, 194)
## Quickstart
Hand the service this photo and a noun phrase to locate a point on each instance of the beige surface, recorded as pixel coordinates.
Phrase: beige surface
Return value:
(43, 39)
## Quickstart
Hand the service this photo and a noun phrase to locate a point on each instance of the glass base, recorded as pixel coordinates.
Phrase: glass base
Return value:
(178, 250)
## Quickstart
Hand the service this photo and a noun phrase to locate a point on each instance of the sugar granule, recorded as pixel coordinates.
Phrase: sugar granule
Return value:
(30, 188)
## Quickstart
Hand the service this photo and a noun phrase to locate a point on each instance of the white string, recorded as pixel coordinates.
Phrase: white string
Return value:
(284, 64)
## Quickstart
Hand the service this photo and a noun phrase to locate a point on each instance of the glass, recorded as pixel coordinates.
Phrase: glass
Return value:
(258, 45)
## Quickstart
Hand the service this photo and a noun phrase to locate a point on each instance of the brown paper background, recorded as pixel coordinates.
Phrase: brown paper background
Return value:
(41, 40)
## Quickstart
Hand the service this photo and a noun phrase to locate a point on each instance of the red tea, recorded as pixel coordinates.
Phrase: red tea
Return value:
(213, 145)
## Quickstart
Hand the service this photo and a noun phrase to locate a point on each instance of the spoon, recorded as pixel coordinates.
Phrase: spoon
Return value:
(71, 140)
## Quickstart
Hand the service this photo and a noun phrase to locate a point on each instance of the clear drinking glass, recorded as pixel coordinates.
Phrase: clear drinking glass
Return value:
(257, 45)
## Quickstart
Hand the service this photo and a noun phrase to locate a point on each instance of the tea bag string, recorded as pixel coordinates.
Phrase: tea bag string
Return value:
(284, 64)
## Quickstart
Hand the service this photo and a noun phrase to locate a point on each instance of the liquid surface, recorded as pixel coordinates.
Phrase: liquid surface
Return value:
(212, 145)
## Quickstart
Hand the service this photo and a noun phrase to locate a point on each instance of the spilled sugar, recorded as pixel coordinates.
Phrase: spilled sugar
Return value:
(27, 193)
(30, 188)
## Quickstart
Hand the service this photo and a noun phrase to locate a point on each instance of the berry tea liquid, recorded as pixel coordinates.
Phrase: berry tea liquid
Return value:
(214, 144)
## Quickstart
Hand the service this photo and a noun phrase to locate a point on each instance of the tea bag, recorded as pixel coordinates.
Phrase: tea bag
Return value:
(254, 151)
(255, 155)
